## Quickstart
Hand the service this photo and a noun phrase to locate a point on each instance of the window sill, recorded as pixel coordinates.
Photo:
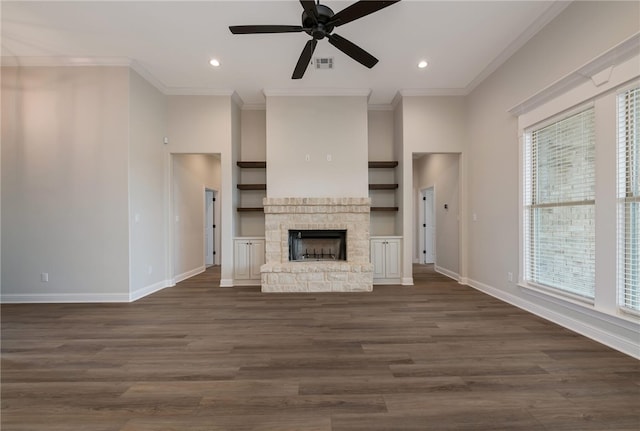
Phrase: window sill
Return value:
(545, 292)
(576, 301)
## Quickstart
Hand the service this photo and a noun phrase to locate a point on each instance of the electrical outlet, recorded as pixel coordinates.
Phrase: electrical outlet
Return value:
(44, 277)
(329, 158)
(510, 276)
(150, 269)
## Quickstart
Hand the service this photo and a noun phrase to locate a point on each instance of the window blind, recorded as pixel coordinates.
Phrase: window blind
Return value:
(629, 199)
(559, 207)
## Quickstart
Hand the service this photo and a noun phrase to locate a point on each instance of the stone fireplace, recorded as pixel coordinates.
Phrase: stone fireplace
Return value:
(321, 271)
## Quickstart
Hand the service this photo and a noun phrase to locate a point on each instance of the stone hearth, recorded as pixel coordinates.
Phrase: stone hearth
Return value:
(282, 214)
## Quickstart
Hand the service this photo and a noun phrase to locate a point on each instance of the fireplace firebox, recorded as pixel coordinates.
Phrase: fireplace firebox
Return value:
(315, 245)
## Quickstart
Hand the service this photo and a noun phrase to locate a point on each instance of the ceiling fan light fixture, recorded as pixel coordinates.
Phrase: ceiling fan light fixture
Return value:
(318, 21)
(422, 64)
(214, 62)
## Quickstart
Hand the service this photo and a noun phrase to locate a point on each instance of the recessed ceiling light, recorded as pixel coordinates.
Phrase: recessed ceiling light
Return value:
(422, 64)
(214, 62)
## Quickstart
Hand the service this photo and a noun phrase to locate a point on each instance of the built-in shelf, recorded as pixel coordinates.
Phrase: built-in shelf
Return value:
(391, 164)
(250, 209)
(252, 164)
(252, 186)
(383, 186)
(390, 209)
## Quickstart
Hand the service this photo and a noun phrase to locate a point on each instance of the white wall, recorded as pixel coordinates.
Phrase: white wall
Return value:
(580, 33)
(203, 125)
(65, 174)
(317, 126)
(380, 131)
(253, 135)
(192, 173)
(430, 125)
(442, 172)
(148, 238)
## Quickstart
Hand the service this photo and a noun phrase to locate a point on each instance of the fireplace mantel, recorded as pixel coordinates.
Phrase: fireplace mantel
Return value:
(283, 214)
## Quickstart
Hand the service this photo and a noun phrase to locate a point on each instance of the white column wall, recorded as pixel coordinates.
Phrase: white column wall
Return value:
(148, 239)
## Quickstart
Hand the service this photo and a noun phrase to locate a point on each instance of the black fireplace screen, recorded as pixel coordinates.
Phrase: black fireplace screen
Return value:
(305, 245)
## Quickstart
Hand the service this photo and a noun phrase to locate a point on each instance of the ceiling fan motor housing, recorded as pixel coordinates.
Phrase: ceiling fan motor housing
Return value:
(318, 30)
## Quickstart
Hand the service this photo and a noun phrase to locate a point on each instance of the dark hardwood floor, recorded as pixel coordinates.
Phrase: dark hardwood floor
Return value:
(436, 356)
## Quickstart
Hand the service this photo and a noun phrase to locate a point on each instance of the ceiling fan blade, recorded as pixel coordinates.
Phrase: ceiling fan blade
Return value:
(255, 29)
(311, 9)
(358, 10)
(353, 50)
(305, 58)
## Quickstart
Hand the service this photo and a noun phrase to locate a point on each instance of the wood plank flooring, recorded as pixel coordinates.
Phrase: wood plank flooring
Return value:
(436, 356)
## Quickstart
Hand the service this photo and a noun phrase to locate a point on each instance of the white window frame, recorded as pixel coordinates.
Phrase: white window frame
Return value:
(572, 92)
(526, 248)
(622, 200)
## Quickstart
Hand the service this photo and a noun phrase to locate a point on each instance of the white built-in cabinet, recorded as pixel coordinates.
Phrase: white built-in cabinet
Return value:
(386, 257)
(248, 256)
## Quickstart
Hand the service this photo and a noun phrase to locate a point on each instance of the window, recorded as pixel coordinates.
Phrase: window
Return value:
(559, 204)
(629, 199)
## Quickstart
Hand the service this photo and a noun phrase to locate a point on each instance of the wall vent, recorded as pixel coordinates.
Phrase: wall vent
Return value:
(324, 63)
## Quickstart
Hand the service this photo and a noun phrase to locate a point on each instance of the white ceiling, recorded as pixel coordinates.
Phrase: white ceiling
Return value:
(172, 43)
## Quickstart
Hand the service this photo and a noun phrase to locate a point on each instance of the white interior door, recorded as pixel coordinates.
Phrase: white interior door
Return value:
(429, 226)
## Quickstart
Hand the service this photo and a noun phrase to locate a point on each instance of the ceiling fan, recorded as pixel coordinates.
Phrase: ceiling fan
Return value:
(318, 21)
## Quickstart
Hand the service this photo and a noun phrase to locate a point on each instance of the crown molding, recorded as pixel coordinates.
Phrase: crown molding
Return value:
(59, 61)
(617, 55)
(148, 76)
(235, 97)
(196, 91)
(254, 107)
(396, 100)
(317, 92)
(422, 92)
(552, 12)
(380, 107)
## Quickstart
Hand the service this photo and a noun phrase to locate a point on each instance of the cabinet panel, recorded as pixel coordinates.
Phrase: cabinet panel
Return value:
(377, 258)
(257, 258)
(248, 258)
(392, 259)
(241, 261)
(386, 255)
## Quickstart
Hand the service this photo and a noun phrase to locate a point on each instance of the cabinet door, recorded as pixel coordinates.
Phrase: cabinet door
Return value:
(242, 260)
(392, 258)
(377, 258)
(257, 258)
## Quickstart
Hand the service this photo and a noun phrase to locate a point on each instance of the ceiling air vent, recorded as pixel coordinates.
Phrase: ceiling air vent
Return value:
(324, 63)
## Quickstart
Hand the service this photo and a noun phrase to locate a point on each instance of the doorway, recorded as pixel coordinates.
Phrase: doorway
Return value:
(195, 243)
(437, 204)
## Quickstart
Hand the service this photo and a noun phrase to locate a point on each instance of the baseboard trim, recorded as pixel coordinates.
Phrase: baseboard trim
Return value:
(581, 327)
(226, 282)
(446, 272)
(188, 274)
(62, 298)
(407, 281)
(145, 291)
